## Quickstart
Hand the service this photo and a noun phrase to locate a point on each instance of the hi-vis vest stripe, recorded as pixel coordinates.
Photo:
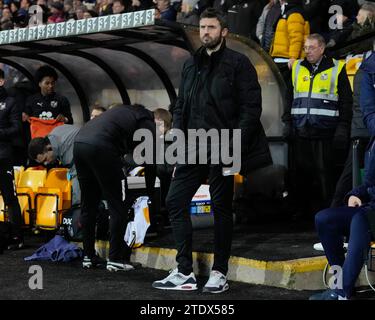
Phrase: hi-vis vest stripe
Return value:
(324, 88)
(315, 111)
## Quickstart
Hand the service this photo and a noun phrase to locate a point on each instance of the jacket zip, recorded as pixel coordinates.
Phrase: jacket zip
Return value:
(312, 77)
(194, 87)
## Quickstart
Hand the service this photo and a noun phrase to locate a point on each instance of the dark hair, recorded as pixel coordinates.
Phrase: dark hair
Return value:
(45, 71)
(214, 13)
(164, 115)
(2, 74)
(38, 146)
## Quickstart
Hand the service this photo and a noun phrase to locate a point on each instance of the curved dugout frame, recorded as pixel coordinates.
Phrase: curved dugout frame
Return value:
(135, 64)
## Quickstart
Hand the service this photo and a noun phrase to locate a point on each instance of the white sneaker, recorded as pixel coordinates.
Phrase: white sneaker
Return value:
(177, 281)
(118, 266)
(216, 283)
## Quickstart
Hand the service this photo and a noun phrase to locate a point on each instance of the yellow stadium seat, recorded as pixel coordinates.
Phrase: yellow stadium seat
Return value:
(2, 209)
(352, 65)
(52, 199)
(29, 182)
(17, 174)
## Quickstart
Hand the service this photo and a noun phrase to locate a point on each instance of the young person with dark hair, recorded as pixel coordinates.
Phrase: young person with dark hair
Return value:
(48, 104)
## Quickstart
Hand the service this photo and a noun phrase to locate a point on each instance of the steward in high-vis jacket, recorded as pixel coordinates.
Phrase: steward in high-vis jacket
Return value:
(317, 117)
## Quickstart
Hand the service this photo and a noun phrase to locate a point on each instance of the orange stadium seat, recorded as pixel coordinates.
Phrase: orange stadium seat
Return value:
(29, 182)
(52, 199)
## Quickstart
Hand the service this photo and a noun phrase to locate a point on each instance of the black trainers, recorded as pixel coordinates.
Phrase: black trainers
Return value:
(93, 262)
(15, 243)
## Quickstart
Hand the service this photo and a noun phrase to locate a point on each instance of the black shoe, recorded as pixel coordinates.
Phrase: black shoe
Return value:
(93, 262)
(15, 243)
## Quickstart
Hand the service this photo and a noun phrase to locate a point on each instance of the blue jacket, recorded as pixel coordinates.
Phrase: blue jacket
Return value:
(366, 191)
(367, 98)
(57, 249)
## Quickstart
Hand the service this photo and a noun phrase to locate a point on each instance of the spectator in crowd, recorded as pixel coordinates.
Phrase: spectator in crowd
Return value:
(57, 13)
(24, 7)
(167, 11)
(105, 7)
(48, 104)
(291, 32)
(316, 12)
(68, 9)
(98, 151)
(267, 22)
(233, 101)
(6, 19)
(137, 5)
(317, 123)
(365, 20)
(334, 224)
(80, 12)
(97, 111)
(89, 14)
(42, 3)
(243, 16)
(14, 6)
(118, 7)
(191, 10)
(10, 128)
(344, 23)
(20, 16)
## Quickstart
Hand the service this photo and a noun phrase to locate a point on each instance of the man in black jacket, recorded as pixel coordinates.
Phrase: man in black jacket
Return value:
(220, 91)
(10, 128)
(98, 150)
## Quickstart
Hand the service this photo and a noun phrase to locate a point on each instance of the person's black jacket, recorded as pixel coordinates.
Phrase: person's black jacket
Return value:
(342, 132)
(48, 107)
(316, 12)
(227, 95)
(10, 124)
(114, 129)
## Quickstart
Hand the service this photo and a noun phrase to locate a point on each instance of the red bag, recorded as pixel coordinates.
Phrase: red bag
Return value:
(41, 127)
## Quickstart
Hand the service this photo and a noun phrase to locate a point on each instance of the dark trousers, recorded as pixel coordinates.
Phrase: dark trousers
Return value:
(100, 175)
(184, 185)
(10, 198)
(333, 224)
(312, 174)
